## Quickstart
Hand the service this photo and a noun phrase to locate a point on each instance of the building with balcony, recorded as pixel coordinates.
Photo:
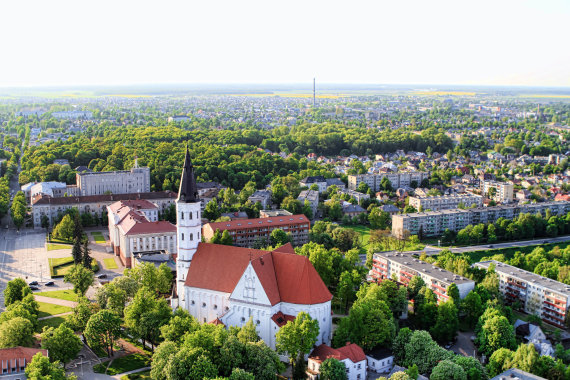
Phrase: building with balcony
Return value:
(404, 267)
(245, 233)
(503, 191)
(535, 294)
(397, 179)
(434, 223)
(446, 202)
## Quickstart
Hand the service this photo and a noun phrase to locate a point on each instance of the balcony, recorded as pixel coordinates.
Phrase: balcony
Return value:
(557, 306)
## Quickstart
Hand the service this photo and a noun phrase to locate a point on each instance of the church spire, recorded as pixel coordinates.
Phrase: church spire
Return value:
(188, 191)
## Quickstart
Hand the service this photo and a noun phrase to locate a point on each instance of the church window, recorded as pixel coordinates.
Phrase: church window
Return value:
(197, 216)
(191, 237)
(243, 319)
(182, 237)
(215, 307)
(204, 319)
(227, 308)
(182, 215)
(203, 304)
(192, 302)
(258, 322)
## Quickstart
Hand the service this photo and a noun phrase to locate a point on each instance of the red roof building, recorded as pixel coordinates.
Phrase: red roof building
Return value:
(351, 355)
(14, 360)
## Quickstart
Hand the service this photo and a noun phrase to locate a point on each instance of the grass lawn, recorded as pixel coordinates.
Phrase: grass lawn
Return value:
(59, 294)
(51, 322)
(110, 263)
(124, 364)
(98, 236)
(143, 375)
(364, 232)
(47, 309)
(58, 267)
(56, 240)
(55, 247)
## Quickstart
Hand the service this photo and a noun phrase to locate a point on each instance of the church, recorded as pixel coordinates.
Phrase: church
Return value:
(229, 285)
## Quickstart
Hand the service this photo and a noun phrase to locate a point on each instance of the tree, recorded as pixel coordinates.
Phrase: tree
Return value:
(399, 345)
(180, 323)
(160, 359)
(102, 330)
(472, 367)
(164, 278)
(248, 332)
(379, 219)
(61, 343)
(297, 337)
(307, 210)
(45, 222)
(16, 290)
(80, 277)
(40, 368)
(81, 314)
(499, 361)
(77, 252)
(146, 314)
(240, 374)
(20, 309)
(17, 331)
(496, 333)
(65, 229)
(333, 369)
(453, 293)
(414, 287)
(385, 184)
(472, 307)
(279, 237)
(446, 324)
(424, 352)
(334, 210)
(448, 370)
(191, 364)
(346, 287)
(291, 204)
(525, 358)
(86, 254)
(212, 211)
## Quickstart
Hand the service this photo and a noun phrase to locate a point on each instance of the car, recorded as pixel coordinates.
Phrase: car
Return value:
(102, 276)
(33, 283)
(33, 287)
(49, 283)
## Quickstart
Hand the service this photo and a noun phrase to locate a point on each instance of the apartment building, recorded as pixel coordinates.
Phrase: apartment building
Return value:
(356, 195)
(245, 233)
(446, 202)
(503, 191)
(404, 267)
(397, 179)
(311, 196)
(434, 223)
(136, 180)
(537, 295)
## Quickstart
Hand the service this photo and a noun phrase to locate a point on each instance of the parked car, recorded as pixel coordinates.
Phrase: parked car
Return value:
(102, 276)
(33, 283)
(49, 283)
(33, 287)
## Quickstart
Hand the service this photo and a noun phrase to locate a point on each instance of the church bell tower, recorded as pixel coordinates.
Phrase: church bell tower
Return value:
(188, 226)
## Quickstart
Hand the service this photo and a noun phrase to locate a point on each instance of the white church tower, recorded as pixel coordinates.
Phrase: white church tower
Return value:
(188, 226)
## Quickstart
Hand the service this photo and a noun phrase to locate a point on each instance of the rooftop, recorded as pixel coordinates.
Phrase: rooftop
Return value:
(259, 222)
(423, 267)
(46, 200)
(450, 196)
(527, 276)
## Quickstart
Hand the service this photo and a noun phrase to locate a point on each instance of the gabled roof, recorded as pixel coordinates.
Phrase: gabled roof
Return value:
(281, 319)
(284, 275)
(351, 351)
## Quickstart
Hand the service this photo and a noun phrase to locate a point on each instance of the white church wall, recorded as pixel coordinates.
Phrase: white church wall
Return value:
(206, 305)
(321, 312)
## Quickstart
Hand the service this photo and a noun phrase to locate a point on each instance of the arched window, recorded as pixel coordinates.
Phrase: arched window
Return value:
(190, 214)
(182, 237)
(191, 237)
(182, 215)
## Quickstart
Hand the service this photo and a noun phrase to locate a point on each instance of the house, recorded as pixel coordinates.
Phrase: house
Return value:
(312, 197)
(391, 209)
(524, 195)
(515, 373)
(352, 210)
(261, 196)
(15, 359)
(351, 355)
(318, 180)
(273, 213)
(336, 182)
(236, 215)
(380, 360)
(531, 333)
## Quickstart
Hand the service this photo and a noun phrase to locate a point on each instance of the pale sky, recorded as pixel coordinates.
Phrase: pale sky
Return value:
(486, 42)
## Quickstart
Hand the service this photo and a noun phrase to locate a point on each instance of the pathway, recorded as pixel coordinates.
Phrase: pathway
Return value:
(55, 315)
(55, 301)
(129, 372)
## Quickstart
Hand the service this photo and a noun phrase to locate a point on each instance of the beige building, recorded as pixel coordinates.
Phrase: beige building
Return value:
(94, 204)
(446, 202)
(397, 179)
(434, 223)
(404, 267)
(312, 197)
(134, 228)
(537, 295)
(136, 180)
(503, 191)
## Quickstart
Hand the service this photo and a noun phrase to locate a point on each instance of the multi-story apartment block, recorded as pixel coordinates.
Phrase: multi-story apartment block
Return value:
(96, 205)
(245, 233)
(404, 267)
(446, 202)
(356, 195)
(136, 180)
(397, 179)
(312, 197)
(434, 223)
(503, 191)
(537, 295)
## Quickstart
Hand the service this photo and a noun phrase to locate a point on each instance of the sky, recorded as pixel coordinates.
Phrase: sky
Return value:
(87, 42)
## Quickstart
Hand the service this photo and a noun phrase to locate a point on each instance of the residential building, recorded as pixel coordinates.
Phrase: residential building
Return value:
(388, 264)
(397, 179)
(516, 374)
(336, 182)
(434, 223)
(531, 333)
(94, 204)
(318, 180)
(51, 188)
(390, 209)
(312, 197)
(273, 213)
(235, 215)
(537, 295)
(380, 360)
(244, 233)
(356, 195)
(136, 180)
(503, 191)
(351, 355)
(261, 196)
(446, 202)
(134, 228)
(15, 359)
(352, 210)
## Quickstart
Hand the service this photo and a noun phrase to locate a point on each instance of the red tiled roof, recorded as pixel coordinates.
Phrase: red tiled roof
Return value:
(47, 200)
(285, 277)
(351, 351)
(287, 248)
(135, 204)
(146, 227)
(217, 322)
(259, 222)
(281, 319)
(24, 355)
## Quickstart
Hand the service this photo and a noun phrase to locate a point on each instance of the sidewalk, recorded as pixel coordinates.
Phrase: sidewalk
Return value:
(55, 301)
(56, 315)
(118, 377)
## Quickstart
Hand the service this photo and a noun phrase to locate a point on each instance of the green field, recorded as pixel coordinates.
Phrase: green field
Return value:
(55, 247)
(110, 263)
(510, 252)
(123, 364)
(58, 267)
(98, 237)
(51, 322)
(48, 309)
(143, 375)
(67, 295)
